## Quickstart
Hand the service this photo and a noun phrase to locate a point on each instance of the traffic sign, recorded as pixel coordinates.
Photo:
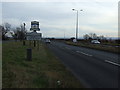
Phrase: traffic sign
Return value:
(34, 36)
(34, 26)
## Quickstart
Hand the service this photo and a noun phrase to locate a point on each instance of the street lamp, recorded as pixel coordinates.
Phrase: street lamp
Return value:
(24, 36)
(77, 24)
(24, 26)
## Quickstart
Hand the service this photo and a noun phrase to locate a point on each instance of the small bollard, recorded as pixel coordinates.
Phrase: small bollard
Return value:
(29, 54)
(58, 84)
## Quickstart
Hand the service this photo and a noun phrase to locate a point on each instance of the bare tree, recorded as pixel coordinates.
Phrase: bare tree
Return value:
(23, 32)
(7, 27)
(1, 29)
(3, 32)
(101, 37)
(19, 33)
(15, 35)
(93, 36)
(86, 36)
(22, 27)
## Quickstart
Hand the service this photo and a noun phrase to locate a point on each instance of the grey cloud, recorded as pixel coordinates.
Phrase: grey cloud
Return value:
(56, 17)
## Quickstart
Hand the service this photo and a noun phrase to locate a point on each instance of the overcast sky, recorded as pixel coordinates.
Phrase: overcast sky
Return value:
(57, 18)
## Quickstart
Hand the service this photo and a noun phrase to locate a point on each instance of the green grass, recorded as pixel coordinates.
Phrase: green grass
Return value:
(96, 46)
(42, 72)
(0, 65)
(110, 43)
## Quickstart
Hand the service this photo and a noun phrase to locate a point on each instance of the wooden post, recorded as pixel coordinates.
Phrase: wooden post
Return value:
(23, 42)
(29, 54)
(34, 43)
(29, 42)
(38, 44)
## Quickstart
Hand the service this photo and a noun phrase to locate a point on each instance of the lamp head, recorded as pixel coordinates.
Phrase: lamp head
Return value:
(81, 10)
(73, 9)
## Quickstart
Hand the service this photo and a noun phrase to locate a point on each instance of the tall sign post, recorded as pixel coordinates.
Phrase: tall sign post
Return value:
(33, 36)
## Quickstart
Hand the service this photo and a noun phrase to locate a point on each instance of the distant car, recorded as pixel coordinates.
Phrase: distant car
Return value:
(47, 41)
(95, 42)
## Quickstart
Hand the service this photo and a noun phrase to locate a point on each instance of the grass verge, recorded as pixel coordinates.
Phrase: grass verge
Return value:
(0, 65)
(42, 72)
(96, 46)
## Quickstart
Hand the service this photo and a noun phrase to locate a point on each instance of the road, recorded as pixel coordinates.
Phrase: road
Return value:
(94, 68)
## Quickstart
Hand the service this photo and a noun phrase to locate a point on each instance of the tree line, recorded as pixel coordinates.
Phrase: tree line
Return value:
(93, 36)
(18, 33)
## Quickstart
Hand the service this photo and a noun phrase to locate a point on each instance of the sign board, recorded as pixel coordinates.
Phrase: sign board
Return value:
(34, 26)
(34, 36)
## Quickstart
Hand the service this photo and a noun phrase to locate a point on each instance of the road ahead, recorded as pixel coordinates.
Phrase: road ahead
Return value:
(94, 68)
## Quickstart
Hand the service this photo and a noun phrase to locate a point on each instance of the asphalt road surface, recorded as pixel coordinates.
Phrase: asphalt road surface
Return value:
(94, 68)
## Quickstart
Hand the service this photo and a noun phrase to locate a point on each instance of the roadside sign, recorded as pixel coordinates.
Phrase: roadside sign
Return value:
(34, 36)
(34, 26)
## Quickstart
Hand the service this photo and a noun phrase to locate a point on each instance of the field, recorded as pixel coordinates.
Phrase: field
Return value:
(44, 71)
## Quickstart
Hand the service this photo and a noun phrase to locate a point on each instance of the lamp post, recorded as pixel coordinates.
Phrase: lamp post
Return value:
(64, 35)
(77, 23)
(24, 36)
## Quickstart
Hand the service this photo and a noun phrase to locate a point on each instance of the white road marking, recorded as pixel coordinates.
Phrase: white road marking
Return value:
(112, 63)
(84, 53)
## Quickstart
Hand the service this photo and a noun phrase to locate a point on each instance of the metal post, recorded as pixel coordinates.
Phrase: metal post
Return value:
(64, 35)
(29, 54)
(77, 27)
(77, 23)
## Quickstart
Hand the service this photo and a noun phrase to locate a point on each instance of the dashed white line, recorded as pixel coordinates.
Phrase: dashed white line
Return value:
(112, 63)
(84, 53)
